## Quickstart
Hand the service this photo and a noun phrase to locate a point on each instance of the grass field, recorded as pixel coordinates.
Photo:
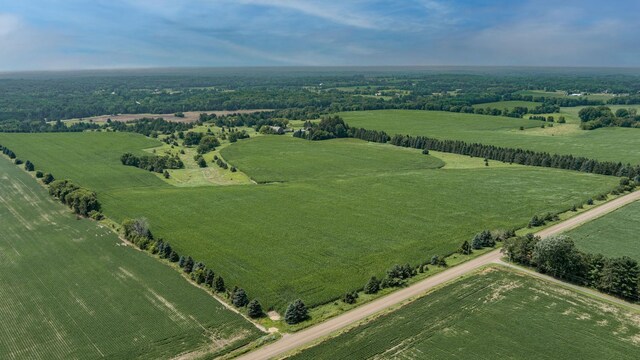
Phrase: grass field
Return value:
(70, 289)
(508, 104)
(615, 234)
(283, 240)
(493, 314)
(611, 144)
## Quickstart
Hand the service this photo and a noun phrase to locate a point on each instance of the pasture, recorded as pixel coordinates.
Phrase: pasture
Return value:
(610, 144)
(615, 234)
(493, 314)
(329, 215)
(71, 289)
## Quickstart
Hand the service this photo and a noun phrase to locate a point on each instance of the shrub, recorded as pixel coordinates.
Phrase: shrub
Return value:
(372, 286)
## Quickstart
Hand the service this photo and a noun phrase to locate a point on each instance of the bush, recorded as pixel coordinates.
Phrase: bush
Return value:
(350, 297)
(39, 174)
(372, 286)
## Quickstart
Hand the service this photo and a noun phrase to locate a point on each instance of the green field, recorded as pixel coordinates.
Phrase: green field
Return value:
(493, 314)
(71, 289)
(615, 234)
(341, 209)
(611, 144)
(508, 104)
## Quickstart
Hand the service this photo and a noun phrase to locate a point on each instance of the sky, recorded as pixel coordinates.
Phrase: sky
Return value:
(99, 34)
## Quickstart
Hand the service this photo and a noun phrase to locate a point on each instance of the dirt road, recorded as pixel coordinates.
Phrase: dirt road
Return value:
(292, 341)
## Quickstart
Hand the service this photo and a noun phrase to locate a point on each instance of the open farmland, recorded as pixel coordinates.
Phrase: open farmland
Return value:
(610, 144)
(495, 313)
(615, 234)
(282, 240)
(71, 289)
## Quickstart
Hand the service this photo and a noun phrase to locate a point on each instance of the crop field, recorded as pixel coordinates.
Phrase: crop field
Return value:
(615, 234)
(508, 104)
(71, 289)
(610, 144)
(493, 314)
(341, 209)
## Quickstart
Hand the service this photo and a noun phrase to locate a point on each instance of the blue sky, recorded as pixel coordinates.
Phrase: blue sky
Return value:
(75, 34)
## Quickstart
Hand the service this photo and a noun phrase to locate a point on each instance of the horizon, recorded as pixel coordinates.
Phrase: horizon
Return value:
(46, 35)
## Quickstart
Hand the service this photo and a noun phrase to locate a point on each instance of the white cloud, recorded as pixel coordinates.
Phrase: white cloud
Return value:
(333, 12)
(9, 24)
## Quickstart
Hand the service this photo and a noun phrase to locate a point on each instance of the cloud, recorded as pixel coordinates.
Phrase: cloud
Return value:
(9, 24)
(326, 10)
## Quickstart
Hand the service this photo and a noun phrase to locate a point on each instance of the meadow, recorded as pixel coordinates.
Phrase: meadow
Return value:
(609, 144)
(329, 215)
(493, 314)
(615, 234)
(71, 289)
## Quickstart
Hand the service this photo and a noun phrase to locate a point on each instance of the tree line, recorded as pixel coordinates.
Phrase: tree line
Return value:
(558, 256)
(40, 126)
(151, 127)
(137, 232)
(335, 127)
(519, 156)
(153, 163)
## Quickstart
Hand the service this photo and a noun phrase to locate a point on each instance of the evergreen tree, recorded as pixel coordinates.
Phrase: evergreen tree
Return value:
(47, 178)
(209, 277)
(173, 257)
(254, 309)
(239, 298)
(188, 265)
(218, 284)
(296, 312)
(28, 165)
(465, 248)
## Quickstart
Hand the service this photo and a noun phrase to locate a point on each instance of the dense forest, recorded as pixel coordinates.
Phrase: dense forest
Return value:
(30, 99)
